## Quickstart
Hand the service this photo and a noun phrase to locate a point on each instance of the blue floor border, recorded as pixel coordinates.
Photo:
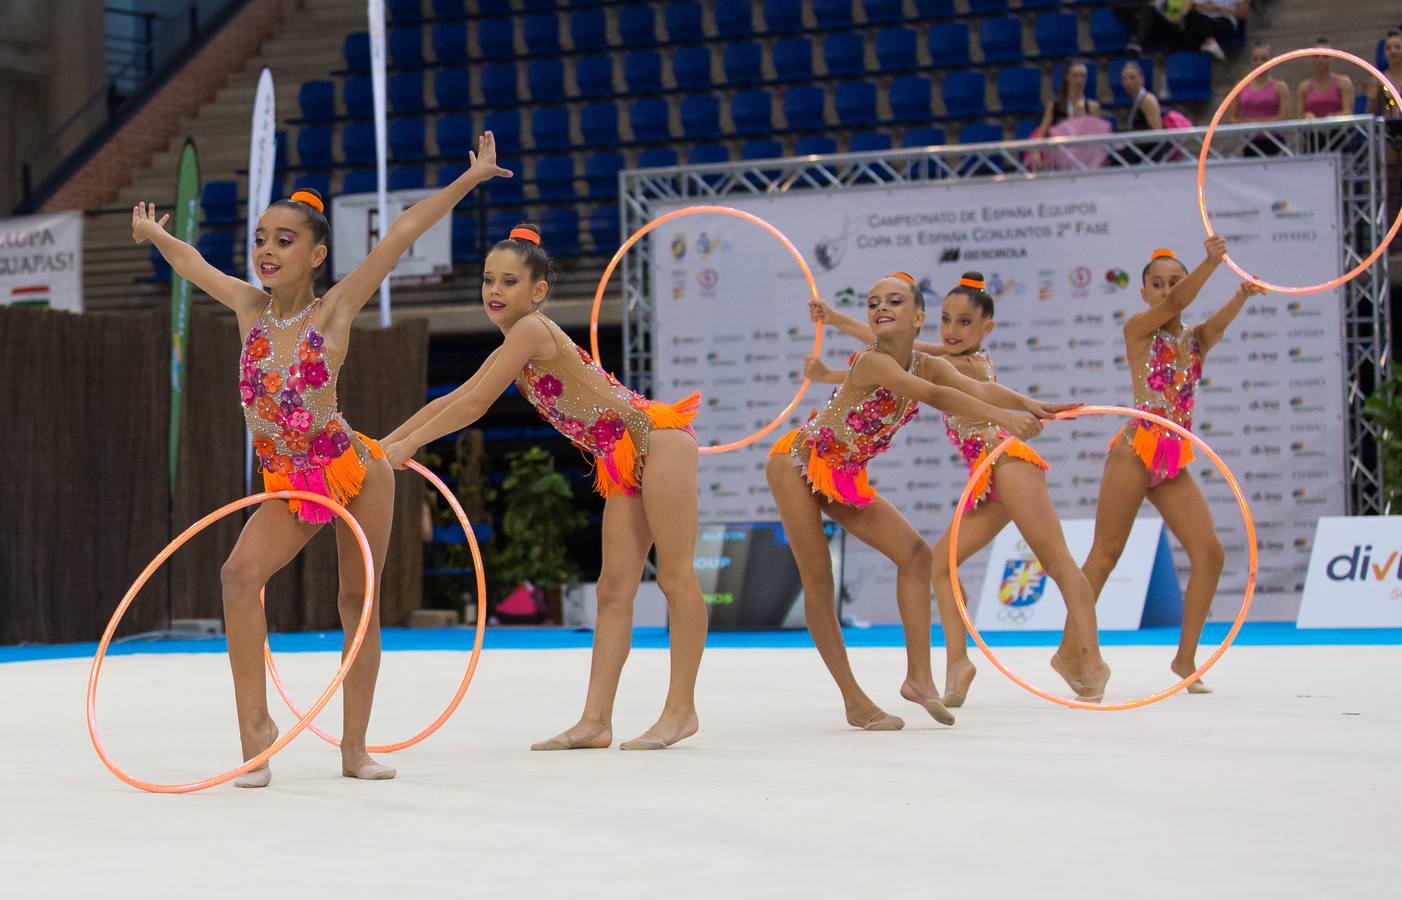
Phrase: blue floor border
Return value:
(1256, 634)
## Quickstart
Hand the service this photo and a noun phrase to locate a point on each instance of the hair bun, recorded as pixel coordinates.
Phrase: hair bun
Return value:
(1162, 253)
(525, 232)
(973, 280)
(309, 196)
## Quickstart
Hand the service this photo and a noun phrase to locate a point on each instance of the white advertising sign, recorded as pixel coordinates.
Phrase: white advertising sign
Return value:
(1062, 257)
(41, 261)
(1355, 574)
(355, 227)
(262, 150)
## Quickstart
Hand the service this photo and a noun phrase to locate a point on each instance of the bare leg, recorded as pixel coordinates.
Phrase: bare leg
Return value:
(1122, 490)
(626, 541)
(373, 508)
(669, 500)
(1023, 489)
(880, 526)
(977, 531)
(1186, 514)
(269, 541)
(801, 512)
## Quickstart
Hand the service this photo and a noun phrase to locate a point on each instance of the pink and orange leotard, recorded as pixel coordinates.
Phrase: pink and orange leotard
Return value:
(833, 448)
(598, 414)
(975, 440)
(287, 385)
(1165, 385)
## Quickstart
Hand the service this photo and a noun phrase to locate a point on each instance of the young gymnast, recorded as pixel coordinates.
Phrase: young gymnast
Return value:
(821, 469)
(294, 345)
(1015, 490)
(1147, 460)
(645, 454)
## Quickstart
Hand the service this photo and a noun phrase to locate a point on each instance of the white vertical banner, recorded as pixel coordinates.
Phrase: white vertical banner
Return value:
(262, 147)
(377, 84)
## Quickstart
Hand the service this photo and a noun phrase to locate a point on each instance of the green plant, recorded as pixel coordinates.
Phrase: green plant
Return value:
(538, 515)
(1384, 407)
(467, 475)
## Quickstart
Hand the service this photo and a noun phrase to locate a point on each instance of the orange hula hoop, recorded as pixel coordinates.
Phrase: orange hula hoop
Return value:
(1198, 442)
(1212, 129)
(476, 644)
(284, 739)
(739, 214)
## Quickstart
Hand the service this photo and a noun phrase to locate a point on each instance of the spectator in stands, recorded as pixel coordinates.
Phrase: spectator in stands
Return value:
(1071, 101)
(1380, 103)
(1265, 99)
(1211, 22)
(1144, 114)
(1325, 93)
(1181, 24)
(1073, 114)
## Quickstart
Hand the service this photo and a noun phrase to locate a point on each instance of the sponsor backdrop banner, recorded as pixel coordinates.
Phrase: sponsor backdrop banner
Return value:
(1062, 257)
(41, 261)
(262, 152)
(1355, 574)
(355, 227)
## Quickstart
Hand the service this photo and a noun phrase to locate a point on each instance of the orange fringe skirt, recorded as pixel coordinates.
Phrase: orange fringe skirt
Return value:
(621, 471)
(1161, 451)
(849, 487)
(983, 488)
(341, 481)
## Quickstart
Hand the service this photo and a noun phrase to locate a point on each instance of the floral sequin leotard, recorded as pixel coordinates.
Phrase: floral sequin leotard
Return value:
(598, 414)
(287, 385)
(1166, 385)
(833, 448)
(975, 439)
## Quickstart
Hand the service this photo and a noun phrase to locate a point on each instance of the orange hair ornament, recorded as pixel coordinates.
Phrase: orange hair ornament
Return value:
(525, 234)
(903, 277)
(975, 283)
(1162, 254)
(310, 199)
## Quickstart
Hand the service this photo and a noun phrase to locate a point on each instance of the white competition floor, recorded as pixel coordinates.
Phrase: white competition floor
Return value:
(1287, 782)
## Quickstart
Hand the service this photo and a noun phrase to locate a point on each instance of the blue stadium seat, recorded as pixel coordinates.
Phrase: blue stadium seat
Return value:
(1120, 98)
(869, 141)
(406, 47)
(604, 229)
(450, 172)
(642, 71)
(559, 227)
(496, 39)
(404, 12)
(793, 59)
(448, 40)
(356, 50)
(1001, 39)
(1020, 89)
(935, 10)
(1059, 72)
(743, 64)
(501, 84)
(360, 181)
(884, 12)
(598, 124)
(452, 89)
(554, 179)
(751, 112)
(593, 76)
(768, 149)
(805, 107)
(589, 30)
(923, 136)
(449, 9)
(691, 67)
(1107, 35)
(988, 7)
(833, 14)
(358, 143)
(963, 94)
(948, 43)
(1056, 34)
(814, 145)
(542, 35)
(317, 100)
(314, 146)
(406, 140)
(279, 153)
(406, 93)
(505, 126)
(684, 21)
(734, 19)
(845, 54)
(357, 96)
(500, 223)
(783, 16)
(856, 103)
(545, 80)
(895, 50)
(1189, 76)
(319, 183)
(160, 269)
(550, 128)
(464, 238)
(705, 154)
(657, 158)
(650, 119)
(912, 99)
(700, 116)
(536, 6)
(220, 202)
(506, 191)
(980, 133)
(405, 178)
(601, 174)
(217, 248)
(637, 25)
(1023, 130)
(1036, 5)
(454, 136)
